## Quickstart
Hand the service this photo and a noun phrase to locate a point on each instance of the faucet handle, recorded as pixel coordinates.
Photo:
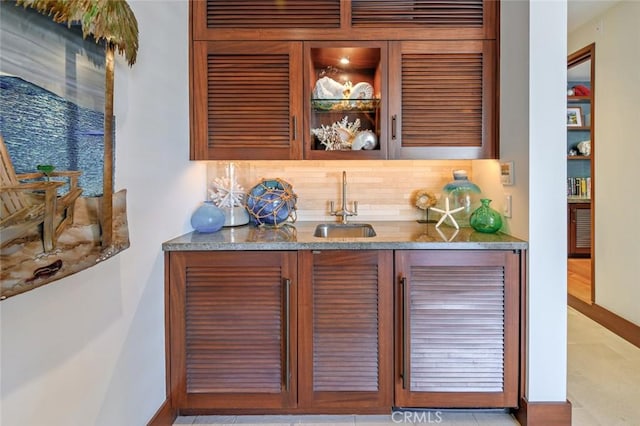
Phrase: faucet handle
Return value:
(355, 208)
(331, 209)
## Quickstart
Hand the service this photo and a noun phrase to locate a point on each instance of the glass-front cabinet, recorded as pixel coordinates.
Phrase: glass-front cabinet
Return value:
(345, 100)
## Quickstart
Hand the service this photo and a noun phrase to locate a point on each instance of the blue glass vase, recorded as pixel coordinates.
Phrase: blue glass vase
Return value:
(207, 218)
(462, 193)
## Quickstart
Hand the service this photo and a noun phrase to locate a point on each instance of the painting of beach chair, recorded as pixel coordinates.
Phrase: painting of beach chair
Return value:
(33, 199)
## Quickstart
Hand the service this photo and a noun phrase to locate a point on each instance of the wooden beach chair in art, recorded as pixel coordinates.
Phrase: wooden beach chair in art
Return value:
(28, 200)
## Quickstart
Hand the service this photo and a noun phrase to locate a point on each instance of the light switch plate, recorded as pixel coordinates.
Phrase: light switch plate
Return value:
(507, 205)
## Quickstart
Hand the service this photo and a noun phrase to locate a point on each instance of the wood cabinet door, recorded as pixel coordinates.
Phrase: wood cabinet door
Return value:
(443, 99)
(426, 19)
(345, 331)
(265, 19)
(343, 19)
(579, 215)
(232, 329)
(457, 328)
(246, 100)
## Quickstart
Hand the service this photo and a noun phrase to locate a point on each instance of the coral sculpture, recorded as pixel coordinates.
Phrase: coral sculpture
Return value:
(338, 136)
(226, 191)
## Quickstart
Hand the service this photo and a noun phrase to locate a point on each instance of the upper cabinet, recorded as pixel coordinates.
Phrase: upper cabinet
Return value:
(442, 99)
(345, 100)
(343, 19)
(321, 80)
(245, 100)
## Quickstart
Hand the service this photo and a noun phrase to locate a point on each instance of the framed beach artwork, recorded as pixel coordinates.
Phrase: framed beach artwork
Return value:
(52, 100)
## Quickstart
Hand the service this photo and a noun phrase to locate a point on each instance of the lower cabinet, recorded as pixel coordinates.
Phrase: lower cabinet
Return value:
(457, 328)
(345, 306)
(232, 329)
(329, 331)
(579, 229)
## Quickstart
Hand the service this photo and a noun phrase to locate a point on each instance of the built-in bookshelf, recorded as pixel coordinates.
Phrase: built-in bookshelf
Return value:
(579, 188)
(580, 150)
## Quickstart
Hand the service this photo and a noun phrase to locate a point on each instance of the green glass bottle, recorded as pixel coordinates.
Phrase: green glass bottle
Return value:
(485, 219)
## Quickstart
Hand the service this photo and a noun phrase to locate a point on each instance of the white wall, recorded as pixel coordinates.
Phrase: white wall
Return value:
(514, 109)
(617, 151)
(89, 349)
(547, 286)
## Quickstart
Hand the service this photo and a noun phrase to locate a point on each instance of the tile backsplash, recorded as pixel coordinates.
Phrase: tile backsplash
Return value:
(382, 188)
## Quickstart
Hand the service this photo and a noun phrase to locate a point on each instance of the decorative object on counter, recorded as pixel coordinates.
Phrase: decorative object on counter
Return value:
(424, 200)
(584, 148)
(207, 218)
(461, 192)
(344, 135)
(272, 202)
(447, 213)
(229, 196)
(485, 218)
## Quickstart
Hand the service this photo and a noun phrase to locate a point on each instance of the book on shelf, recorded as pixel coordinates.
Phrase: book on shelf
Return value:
(579, 188)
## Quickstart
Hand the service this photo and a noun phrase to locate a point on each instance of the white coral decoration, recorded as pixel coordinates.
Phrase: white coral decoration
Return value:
(226, 191)
(338, 136)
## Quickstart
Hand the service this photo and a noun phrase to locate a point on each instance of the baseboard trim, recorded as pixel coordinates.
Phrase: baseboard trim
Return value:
(544, 413)
(165, 416)
(616, 324)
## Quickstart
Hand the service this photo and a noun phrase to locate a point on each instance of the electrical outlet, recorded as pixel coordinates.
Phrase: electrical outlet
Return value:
(507, 205)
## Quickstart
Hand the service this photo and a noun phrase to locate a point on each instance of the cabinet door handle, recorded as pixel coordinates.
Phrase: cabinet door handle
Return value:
(394, 120)
(404, 285)
(294, 123)
(287, 332)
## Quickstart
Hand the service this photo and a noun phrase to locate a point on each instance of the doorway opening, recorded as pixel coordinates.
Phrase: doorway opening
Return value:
(580, 173)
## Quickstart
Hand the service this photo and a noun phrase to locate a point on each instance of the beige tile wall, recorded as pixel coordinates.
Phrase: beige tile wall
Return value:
(382, 188)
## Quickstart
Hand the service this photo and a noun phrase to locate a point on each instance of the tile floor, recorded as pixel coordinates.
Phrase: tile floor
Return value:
(603, 387)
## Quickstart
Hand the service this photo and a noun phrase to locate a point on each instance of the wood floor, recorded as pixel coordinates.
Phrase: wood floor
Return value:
(579, 279)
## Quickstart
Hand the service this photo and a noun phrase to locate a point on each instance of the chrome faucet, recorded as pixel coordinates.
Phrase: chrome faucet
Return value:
(344, 213)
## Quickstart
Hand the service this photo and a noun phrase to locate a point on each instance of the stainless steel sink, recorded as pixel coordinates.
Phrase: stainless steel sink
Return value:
(344, 230)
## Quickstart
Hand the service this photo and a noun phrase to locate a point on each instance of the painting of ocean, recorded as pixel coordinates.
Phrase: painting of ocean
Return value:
(51, 96)
(40, 127)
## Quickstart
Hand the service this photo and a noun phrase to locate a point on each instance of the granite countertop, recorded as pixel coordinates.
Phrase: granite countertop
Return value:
(391, 235)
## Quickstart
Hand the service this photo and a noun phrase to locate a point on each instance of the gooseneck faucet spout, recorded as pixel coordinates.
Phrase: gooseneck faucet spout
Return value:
(344, 212)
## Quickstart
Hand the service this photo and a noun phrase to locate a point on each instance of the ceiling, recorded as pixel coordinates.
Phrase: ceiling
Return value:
(582, 11)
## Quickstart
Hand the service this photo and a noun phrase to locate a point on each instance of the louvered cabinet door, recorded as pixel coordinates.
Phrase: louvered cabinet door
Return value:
(457, 328)
(345, 330)
(246, 100)
(264, 19)
(579, 229)
(470, 19)
(232, 329)
(442, 99)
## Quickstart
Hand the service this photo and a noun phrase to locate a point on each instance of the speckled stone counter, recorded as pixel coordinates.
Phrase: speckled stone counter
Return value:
(391, 235)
